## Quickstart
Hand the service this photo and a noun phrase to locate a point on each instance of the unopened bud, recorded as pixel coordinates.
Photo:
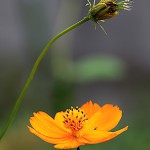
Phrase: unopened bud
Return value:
(107, 9)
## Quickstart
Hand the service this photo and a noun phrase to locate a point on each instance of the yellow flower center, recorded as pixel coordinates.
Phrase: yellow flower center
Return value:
(74, 119)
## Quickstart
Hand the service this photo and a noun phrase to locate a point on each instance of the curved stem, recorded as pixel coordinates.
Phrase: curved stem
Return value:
(31, 75)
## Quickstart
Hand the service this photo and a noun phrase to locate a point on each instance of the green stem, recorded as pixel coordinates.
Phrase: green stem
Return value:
(31, 75)
(78, 148)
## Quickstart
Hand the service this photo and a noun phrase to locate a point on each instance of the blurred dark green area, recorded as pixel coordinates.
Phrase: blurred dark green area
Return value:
(84, 64)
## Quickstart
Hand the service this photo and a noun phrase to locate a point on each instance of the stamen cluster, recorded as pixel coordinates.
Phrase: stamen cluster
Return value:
(74, 119)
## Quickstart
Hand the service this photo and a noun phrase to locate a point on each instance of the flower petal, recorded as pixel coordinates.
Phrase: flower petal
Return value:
(47, 126)
(49, 139)
(71, 143)
(59, 119)
(90, 108)
(93, 122)
(110, 117)
(98, 136)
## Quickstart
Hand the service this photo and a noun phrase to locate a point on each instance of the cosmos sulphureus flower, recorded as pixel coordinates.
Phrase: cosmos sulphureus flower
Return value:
(89, 124)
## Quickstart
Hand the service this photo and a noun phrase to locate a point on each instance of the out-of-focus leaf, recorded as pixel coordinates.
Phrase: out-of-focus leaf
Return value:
(100, 68)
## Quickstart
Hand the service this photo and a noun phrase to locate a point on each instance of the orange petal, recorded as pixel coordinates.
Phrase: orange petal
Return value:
(93, 122)
(46, 125)
(98, 136)
(50, 139)
(90, 108)
(110, 117)
(71, 143)
(59, 119)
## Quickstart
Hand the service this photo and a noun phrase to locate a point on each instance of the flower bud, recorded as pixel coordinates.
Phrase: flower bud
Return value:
(107, 9)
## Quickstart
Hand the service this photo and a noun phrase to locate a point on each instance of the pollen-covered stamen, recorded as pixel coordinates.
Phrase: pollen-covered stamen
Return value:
(74, 119)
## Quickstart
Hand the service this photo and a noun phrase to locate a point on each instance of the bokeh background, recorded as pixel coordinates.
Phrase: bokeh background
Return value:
(83, 65)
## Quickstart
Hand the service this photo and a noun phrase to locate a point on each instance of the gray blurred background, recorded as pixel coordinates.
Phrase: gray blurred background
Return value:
(82, 65)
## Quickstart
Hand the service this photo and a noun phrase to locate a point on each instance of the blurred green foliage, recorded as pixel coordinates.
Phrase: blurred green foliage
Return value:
(105, 68)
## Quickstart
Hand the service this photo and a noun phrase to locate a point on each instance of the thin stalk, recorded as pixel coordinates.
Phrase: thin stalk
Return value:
(78, 148)
(31, 75)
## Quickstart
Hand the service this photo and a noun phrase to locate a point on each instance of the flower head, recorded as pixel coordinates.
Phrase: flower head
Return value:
(89, 124)
(107, 9)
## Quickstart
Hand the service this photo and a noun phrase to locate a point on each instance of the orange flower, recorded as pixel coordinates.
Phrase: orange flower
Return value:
(89, 124)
